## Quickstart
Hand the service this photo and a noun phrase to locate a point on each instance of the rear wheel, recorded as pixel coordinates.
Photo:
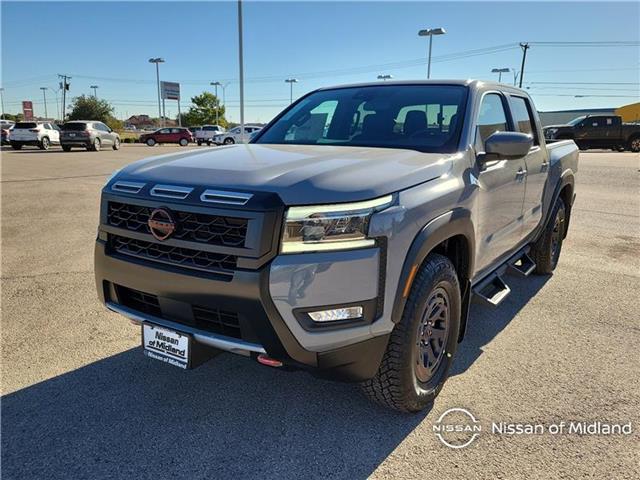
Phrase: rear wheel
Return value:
(199, 142)
(116, 144)
(16, 145)
(229, 141)
(66, 148)
(420, 352)
(184, 142)
(634, 144)
(546, 250)
(44, 143)
(151, 142)
(97, 144)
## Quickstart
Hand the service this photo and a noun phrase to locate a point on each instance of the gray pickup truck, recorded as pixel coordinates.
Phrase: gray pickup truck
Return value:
(348, 239)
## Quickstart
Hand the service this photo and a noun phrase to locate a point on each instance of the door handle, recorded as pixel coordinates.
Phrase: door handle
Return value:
(544, 166)
(520, 174)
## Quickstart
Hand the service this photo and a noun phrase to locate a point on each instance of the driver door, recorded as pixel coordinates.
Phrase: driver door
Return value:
(501, 185)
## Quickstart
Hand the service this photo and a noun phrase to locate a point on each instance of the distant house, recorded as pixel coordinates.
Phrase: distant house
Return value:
(142, 122)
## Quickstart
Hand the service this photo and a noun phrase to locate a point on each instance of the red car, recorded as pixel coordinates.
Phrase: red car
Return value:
(179, 135)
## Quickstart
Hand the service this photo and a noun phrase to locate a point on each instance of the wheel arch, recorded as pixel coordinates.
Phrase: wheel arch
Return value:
(452, 235)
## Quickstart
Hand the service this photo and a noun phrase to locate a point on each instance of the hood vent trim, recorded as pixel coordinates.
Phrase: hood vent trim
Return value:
(227, 198)
(170, 191)
(128, 187)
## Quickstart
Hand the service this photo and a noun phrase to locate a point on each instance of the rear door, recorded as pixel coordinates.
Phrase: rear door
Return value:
(537, 163)
(501, 187)
(592, 131)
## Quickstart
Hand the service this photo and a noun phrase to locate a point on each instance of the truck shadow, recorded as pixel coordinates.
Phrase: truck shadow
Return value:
(131, 417)
(485, 323)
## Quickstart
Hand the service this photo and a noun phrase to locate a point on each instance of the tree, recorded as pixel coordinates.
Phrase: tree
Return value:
(90, 108)
(203, 111)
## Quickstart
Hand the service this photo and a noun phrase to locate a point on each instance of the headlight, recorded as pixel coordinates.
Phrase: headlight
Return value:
(330, 227)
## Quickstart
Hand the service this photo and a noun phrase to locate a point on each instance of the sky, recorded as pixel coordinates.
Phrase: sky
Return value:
(320, 43)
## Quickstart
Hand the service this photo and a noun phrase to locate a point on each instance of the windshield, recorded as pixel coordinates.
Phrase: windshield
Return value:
(74, 127)
(427, 118)
(576, 121)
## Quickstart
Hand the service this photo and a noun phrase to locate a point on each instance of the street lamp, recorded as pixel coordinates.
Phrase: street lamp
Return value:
(44, 93)
(384, 78)
(500, 71)
(158, 61)
(291, 81)
(430, 32)
(95, 93)
(215, 85)
(2, 100)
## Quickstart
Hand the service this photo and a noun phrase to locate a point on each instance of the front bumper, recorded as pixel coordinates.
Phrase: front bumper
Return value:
(265, 300)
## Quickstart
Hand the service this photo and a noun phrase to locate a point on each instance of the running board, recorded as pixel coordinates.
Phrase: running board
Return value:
(492, 291)
(523, 265)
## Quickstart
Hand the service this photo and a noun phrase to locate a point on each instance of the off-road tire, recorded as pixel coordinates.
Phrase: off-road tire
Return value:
(546, 250)
(396, 384)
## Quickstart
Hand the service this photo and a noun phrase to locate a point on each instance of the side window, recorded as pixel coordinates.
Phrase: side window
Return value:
(521, 110)
(176, 130)
(165, 130)
(103, 127)
(492, 117)
(235, 130)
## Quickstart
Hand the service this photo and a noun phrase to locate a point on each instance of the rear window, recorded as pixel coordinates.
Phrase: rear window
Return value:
(74, 127)
(26, 125)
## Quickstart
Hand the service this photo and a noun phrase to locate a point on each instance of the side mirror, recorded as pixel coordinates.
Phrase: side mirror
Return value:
(507, 145)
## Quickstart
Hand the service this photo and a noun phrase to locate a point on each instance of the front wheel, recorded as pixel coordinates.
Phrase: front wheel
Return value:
(229, 141)
(634, 144)
(546, 250)
(44, 143)
(422, 345)
(151, 142)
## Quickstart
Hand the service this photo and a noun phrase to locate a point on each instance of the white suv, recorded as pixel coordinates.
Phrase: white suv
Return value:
(233, 135)
(41, 134)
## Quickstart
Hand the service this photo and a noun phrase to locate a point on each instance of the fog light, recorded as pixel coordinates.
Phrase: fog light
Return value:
(336, 314)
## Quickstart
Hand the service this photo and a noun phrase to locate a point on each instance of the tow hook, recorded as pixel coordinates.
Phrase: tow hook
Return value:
(268, 361)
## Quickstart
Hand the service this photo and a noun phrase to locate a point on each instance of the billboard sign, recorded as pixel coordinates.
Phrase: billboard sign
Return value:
(170, 90)
(27, 109)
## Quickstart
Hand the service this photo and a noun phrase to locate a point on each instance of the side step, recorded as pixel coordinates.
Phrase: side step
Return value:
(523, 265)
(492, 291)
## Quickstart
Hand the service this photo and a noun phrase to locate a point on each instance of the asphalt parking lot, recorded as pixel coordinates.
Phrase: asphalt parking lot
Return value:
(80, 401)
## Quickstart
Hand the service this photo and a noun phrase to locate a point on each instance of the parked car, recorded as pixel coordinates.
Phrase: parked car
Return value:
(348, 238)
(179, 135)
(6, 124)
(233, 135)
(40, 134)
(206, 133)
(597, 131)
(88, 134)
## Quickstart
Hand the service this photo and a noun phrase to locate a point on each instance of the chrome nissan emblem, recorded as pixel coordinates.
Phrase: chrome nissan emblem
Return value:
(161, 223)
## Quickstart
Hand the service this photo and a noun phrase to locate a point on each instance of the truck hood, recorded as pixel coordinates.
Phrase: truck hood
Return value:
(299, 174)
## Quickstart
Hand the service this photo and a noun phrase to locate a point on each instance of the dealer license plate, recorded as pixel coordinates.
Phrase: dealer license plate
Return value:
(166, 345)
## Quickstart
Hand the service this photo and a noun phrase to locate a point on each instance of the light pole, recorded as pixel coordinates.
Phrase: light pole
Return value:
(2, 100)
(500, 71)
(241, 68)
(384, 78)
(215, 85)
(95, 92)
(44, 94)
(158, 61)
(291, 81)
(430, 32)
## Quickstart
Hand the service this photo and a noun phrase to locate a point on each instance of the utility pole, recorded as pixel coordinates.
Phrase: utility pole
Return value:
(525, 47)
(2, 100)
(64, 85)
(44, 94)
(240, 61)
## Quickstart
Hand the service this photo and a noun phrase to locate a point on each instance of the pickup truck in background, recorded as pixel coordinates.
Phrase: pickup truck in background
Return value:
(597, 131)
(348, 239)
(206, 134)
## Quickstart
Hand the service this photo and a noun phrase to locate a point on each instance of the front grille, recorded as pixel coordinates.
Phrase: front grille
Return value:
(140, 301)
(178, 256)
(208, 319)
(191, 227)
(217, 321)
